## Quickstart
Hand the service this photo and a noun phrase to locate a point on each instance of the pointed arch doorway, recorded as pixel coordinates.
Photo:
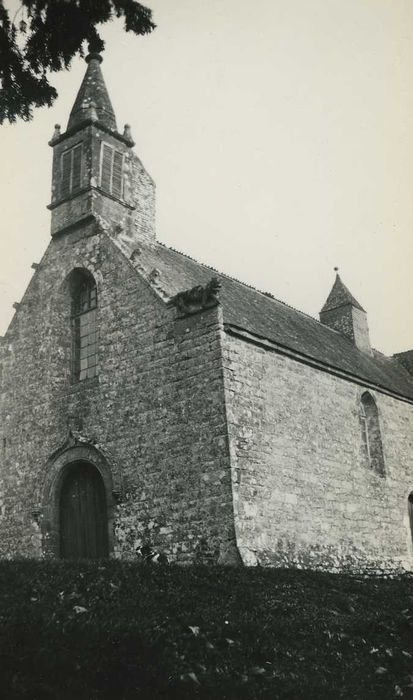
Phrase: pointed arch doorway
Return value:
(83, 513)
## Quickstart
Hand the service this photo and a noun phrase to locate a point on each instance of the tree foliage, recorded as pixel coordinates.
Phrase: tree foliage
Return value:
(43, 36)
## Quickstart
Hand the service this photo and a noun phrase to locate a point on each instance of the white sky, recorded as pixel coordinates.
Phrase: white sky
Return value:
(279, 134)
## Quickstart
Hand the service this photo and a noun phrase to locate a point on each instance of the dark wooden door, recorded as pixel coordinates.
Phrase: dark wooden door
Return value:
(83, 517)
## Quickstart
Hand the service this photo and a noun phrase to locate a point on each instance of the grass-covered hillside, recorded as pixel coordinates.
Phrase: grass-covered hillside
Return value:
(122, 631)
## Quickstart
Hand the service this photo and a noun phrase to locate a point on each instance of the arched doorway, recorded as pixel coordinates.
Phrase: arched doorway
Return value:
(83, 513)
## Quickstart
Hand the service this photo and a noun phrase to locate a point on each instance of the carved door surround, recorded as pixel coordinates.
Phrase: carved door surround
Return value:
(76, 449)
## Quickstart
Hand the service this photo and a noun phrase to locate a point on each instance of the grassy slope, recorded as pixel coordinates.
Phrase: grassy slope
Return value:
(120, 630)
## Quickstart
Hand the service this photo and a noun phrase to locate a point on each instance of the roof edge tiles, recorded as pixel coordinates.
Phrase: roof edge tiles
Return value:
(263, 315)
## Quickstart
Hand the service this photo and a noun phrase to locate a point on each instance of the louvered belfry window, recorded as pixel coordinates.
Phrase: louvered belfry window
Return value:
(111, 171)
(84, 326)
(71, 170)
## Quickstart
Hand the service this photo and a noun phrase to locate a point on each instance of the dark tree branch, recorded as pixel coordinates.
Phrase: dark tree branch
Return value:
(55, 32)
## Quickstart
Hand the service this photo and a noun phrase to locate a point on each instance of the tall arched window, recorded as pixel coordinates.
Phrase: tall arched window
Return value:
(371, 436)
(84, 328)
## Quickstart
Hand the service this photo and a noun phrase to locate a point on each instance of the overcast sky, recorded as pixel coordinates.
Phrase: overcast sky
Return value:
(279, 134)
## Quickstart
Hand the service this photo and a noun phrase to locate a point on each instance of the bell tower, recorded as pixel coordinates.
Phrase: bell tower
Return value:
(96, 174)
(344, 314)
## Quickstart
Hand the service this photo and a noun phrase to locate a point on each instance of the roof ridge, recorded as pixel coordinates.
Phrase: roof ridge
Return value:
(268, 295)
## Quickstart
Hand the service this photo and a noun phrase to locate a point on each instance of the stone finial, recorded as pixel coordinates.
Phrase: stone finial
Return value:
(93, 56)
(93, 52)
(127, 134)
(56, 133)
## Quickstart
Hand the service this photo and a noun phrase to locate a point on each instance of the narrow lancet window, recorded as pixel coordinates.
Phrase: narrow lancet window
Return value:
(371, 436)
(84, 328)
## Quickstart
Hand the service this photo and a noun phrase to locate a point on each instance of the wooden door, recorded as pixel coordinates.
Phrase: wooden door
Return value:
(83, 516)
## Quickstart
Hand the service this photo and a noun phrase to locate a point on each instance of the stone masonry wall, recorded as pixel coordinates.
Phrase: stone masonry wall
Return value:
(340, 319)
(351, 322)
(135, 212)
(304, 493)
(155, 412)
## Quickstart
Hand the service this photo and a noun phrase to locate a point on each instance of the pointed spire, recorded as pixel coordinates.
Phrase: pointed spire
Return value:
(93, 93)
(340, 296)
(343, 313)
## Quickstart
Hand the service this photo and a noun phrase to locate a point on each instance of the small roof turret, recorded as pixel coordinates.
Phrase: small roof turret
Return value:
(93, 91)
(340, 296)
(344, 314)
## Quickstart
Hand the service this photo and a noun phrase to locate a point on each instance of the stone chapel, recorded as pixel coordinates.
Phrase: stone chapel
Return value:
(147, 399)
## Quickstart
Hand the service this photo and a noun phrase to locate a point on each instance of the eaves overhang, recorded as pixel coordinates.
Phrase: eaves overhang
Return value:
(280, 349)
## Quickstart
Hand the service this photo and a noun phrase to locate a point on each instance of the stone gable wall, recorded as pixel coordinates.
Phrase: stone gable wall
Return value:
(156, 411)
(304, 493)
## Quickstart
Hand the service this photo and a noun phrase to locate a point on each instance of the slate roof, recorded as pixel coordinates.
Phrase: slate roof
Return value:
(261, 315)
(93, 89)
(340, 296)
